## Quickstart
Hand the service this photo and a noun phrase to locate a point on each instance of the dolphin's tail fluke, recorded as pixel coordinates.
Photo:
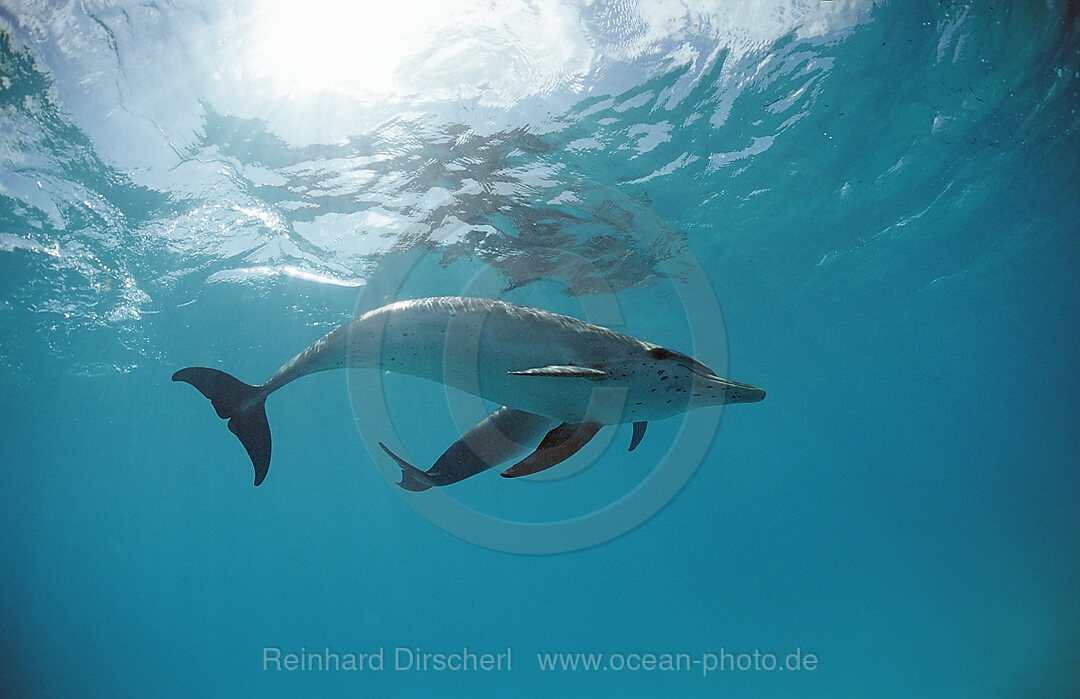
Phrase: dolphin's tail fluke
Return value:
(241, 405)
(412, 478)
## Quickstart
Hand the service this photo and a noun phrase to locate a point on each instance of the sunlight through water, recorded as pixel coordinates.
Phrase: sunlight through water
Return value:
(355, 48)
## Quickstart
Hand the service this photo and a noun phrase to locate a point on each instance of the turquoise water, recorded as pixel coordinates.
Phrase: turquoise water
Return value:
(869, 210)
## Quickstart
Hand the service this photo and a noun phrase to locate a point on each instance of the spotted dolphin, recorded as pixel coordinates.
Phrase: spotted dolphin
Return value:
(557, 378)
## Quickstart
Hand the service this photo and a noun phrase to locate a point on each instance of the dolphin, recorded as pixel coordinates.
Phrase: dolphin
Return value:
(557, 378)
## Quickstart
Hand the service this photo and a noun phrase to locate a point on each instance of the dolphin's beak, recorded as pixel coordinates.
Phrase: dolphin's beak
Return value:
(742, 392)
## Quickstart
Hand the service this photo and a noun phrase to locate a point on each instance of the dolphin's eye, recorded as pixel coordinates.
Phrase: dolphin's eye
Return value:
(660, 353)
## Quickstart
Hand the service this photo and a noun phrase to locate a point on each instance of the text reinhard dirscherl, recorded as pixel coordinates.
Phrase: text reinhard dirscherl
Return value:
(400, 658)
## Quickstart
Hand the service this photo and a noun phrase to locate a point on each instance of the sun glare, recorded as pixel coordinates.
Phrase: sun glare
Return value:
(352, 47)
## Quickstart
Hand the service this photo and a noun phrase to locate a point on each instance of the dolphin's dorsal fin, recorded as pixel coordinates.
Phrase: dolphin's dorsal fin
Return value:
(566, 370)
(639, 432)
(559, 445)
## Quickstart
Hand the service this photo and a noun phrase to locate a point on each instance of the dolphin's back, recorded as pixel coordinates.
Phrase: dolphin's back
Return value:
(476, 344)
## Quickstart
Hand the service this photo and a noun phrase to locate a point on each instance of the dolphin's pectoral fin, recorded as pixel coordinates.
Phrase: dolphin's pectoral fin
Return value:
(559, 445)
(582, 372)
(639, 432)
(412, 478)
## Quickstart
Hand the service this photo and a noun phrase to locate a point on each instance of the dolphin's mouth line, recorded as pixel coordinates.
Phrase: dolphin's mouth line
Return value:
(699, 369)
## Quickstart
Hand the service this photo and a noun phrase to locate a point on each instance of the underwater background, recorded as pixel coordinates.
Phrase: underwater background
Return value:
(881, 198)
